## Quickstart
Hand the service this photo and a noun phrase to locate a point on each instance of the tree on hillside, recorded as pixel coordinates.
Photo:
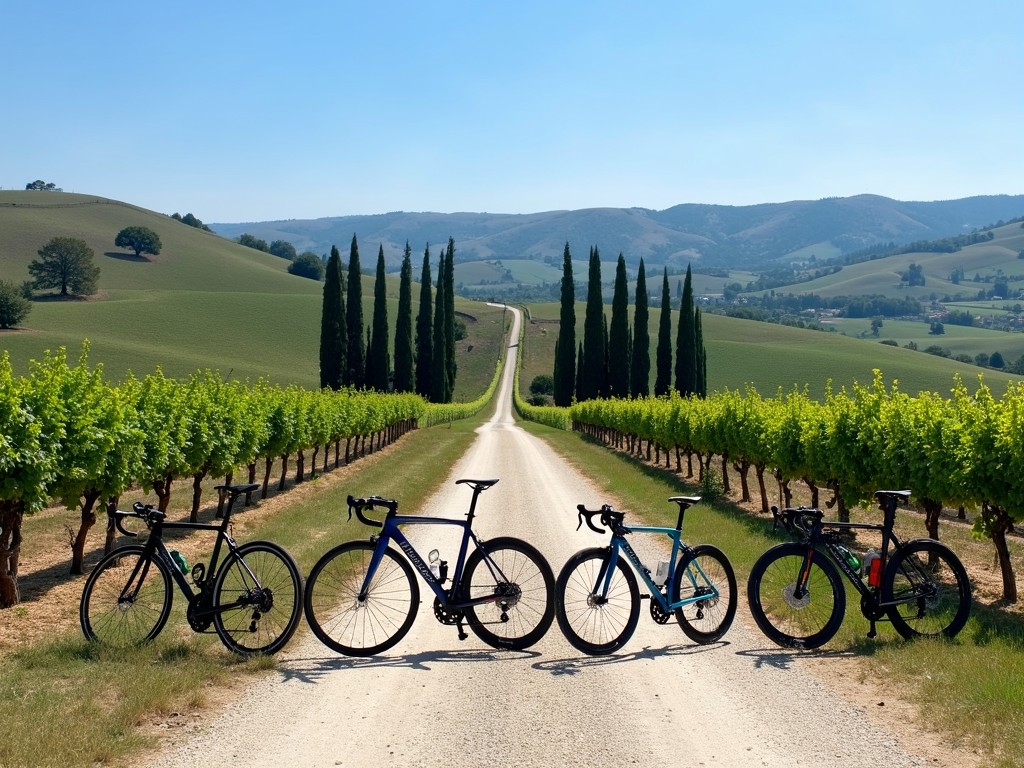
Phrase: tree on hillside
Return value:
(404, 374)
(251, 241)
(333, 339)
(449, 330)
(663, 370)
(378, 358)
(43, 186)
(618, 334)
(440, 383)
(65, 263)
(355, 375)
(640, 368)
(425, 331)
(593, 375)
(701, 369)
(565, 345)
(686, 343)
(283, 249)
(14, 307)
(191, 220)
(139, 239)
(307, 265)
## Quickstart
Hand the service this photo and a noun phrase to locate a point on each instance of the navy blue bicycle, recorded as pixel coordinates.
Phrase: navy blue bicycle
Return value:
(362, 596)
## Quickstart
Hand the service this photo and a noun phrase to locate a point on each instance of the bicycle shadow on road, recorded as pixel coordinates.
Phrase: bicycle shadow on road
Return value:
(578, 664)
(311, 670)
(780, 658)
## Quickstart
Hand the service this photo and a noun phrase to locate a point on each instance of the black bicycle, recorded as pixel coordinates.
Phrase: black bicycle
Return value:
(797, 596)
(253, 599)
(362, 597)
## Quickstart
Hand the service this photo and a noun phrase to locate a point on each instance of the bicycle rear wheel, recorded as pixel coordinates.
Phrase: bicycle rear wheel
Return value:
(523, 587)
(703, 572)
(933, 585)
(354, 625)
(126, 599)
(592, 623)
(257, 599)
(807, 621)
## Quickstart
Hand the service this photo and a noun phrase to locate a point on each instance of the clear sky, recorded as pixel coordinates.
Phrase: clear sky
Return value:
(249, 111)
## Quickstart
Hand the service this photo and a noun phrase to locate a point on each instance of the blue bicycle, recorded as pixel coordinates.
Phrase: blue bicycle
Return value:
(362, 596)
(598, 601)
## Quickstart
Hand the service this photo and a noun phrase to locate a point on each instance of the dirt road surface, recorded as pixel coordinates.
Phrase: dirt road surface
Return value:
(435, 701)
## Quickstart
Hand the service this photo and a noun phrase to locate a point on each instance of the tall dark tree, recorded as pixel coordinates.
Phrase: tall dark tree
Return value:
(593, 378)
(618, 334)
(663, 369)
(701, 369)
(425, 331)
(565, 346)
(449, 318)
(686, 343)
(378, 359)
(333, 341)
(440, 385)
(579, 371)
(403, 327)
(65, 263)
(355, 375)
(640, 370)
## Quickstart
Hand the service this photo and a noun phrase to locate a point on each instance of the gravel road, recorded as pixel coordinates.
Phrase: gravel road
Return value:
(435, 701)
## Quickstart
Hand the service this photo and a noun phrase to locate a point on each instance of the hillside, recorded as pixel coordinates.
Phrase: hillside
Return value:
(204, 302)
(735, 237)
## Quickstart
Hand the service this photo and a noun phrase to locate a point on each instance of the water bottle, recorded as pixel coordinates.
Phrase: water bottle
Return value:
(179, 560)
(435, 570)
(850, 558)
(661, 573)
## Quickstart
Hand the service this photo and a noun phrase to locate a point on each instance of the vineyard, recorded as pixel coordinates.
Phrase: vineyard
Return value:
(67, 434)
(964, 452)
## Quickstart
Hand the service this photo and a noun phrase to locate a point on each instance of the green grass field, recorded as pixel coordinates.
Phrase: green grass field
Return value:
(958, 339)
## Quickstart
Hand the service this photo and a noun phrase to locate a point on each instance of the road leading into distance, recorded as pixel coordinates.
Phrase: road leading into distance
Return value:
(435, 701)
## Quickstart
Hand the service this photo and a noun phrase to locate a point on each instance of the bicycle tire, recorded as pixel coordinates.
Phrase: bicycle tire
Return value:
(592, 626)
(944, 604)
(705, 621)
(268, 609)
(355, 627)
(808, 622)
(112, 621)
(527, 607)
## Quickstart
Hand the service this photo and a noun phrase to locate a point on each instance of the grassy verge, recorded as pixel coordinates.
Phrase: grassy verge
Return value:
(68, 703)
(969, 689)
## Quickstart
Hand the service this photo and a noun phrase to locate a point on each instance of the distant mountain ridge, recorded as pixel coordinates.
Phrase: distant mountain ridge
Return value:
(707, 235)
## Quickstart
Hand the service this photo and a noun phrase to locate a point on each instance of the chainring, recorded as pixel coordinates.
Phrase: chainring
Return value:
(660, 616)
(446, 615)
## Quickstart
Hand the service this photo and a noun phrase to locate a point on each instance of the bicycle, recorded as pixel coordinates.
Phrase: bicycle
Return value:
(362, 597)
(253, 598)
(598, 600)
(798, 600)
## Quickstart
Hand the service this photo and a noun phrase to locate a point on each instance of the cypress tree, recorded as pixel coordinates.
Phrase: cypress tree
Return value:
(594, 365)
(403, 327)
(333, 344)
(425, 331)
(378, 360)
(439, 369)
(356, 370)
(640, 370)
(701, 369)
(663, 370)
(449, 319)
(565, 346)
(618, 335)
(579, 372)
(686, 348)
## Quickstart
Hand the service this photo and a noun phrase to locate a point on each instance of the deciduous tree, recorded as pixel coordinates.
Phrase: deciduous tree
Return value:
(65, 263)
(140, 240)
(14, 307)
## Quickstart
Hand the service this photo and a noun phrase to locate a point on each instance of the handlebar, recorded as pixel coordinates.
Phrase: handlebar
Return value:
(147, 513)
(358, 505)
(796, 520)
(609, 518)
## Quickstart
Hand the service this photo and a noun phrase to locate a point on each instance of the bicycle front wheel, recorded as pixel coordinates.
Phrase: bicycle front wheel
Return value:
(805, 621)
(595, 623)
(520, 587)
(354, 624)
(257, 599)
(933, 589)
(126, 599)
(702, 573)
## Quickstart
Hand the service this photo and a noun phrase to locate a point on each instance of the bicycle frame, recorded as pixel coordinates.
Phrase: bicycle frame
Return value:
(619, 544)
(391, 532)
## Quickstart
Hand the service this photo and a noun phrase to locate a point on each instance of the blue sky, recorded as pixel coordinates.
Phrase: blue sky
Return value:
(268, 110)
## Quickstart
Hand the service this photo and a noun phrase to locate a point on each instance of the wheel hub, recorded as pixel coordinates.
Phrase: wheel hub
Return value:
(789, 595)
